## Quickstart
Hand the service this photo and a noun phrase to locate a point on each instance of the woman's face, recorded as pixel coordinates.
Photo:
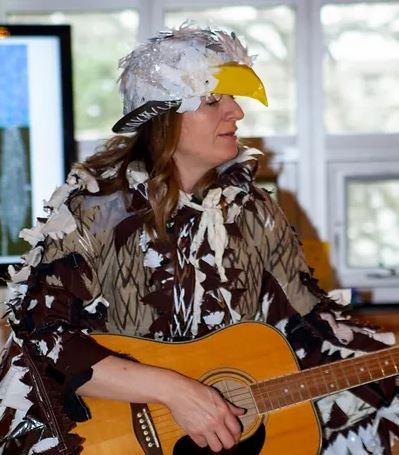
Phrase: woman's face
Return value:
(207, 137)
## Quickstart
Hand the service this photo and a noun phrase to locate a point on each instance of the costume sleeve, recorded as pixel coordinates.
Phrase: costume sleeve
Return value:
(283, 257)
(56, 302)
(320, 330)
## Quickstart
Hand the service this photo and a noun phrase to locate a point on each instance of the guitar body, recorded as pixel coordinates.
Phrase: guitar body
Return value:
(230, 360)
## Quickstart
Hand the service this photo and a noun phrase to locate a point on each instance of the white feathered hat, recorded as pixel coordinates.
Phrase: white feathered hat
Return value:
(176, 67)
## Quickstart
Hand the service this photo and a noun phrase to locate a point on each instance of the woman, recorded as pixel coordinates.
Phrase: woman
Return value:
(164, 235)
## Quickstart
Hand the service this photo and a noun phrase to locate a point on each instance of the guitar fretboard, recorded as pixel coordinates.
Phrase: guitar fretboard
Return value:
(325, 379)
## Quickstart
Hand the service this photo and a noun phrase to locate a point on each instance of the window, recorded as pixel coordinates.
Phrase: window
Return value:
(361, 119)
(269, 34)
(372, 222)
(99, 40)
(361, 65)
(364, 215)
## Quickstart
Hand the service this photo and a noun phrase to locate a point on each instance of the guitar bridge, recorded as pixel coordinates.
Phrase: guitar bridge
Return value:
(144, 429)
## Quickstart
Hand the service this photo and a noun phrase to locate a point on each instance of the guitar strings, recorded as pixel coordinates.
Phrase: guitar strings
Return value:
(175, 428)
(163, 422)
(315, 375)
(248, 415)
(246, 402)
(228, 391)
(311, 375)
(172, 427)
(164, 426)
(249, 404)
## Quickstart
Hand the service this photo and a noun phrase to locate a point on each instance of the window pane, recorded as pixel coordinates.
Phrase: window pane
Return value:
(269, 34)
(361, 67)
(99, 40)
(373, 222)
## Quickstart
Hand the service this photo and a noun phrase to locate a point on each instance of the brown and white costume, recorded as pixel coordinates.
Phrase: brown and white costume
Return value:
(232, 257)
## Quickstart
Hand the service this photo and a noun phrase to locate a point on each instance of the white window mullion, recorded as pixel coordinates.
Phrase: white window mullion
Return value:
(363, 140)
(304, 106)
(157, 17)
(312, 189)
(145, 20)
(317, 169)
(360, 154)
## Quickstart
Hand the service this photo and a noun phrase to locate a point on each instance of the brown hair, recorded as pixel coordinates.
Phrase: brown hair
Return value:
(154, 144)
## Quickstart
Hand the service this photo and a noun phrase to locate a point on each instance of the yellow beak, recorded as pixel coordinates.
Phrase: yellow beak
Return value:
(240, 80)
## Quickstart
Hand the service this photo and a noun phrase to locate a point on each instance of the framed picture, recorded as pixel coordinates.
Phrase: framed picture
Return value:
(36, 127)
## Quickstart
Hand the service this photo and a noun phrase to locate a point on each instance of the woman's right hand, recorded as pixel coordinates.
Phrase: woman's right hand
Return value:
(203, 414)
(200, 410)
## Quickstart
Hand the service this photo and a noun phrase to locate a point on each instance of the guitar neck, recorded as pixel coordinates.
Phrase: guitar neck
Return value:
(325, 379)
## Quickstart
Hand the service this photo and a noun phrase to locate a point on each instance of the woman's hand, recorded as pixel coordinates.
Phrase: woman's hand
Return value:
(203, 414)
(200, 410)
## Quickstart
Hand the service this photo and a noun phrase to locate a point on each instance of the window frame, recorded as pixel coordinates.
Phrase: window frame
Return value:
(338, 173)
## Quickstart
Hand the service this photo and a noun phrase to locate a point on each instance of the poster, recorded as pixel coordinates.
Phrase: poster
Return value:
(15, 179)
(36, 127)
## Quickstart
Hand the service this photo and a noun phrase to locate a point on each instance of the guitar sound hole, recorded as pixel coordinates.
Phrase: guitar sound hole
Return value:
(251, 446)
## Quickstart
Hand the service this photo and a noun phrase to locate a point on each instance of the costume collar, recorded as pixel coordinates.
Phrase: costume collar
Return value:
(245, 162)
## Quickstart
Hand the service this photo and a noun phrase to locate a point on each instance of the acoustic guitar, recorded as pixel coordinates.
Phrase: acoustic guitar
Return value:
(254, 367)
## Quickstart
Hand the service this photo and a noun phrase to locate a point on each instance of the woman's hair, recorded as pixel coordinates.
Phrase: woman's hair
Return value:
(154, 144)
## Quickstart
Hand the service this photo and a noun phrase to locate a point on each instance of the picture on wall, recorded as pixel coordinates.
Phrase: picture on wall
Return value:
(36, 127)
(15, 181)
